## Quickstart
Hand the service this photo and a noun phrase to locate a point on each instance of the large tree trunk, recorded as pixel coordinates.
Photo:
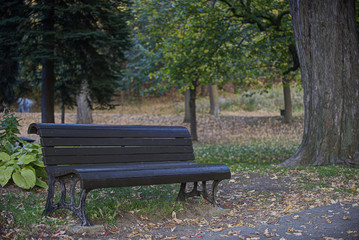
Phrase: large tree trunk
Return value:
(328, 49)
(48, 71)
(213, 99)
(83, 101)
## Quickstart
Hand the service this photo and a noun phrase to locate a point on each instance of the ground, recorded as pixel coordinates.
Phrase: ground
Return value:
(249, 199)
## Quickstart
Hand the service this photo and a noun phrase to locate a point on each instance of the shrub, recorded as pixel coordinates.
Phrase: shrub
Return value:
(19, 161)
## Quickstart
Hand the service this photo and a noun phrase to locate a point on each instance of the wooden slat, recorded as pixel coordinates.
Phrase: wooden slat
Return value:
(55, 160)
(64, 170)
(115, 142)
(103, 151)
(84, 130)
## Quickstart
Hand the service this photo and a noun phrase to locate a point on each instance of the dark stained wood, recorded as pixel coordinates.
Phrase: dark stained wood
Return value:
(101, 156)
(116, 141)
(108, 131)
(110, 150)
(59, 160)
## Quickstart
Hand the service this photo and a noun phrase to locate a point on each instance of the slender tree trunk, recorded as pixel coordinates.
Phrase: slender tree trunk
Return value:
(84, 112)
(213, 100)
(187, 114)
(192, 107)
(48, 72)
(328, 48)
(288, 110)
(62, 112)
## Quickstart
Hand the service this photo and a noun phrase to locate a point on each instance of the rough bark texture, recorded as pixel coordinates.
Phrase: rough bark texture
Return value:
(328, 49)
(48, 71)
(213, 99)
(83, 101)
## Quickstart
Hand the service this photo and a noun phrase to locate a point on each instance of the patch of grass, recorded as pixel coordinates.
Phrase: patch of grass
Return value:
(255, 153)
(157, 201)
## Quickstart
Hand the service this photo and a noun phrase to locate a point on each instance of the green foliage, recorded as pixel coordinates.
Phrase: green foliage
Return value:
(251, 153)
(19, 161)
(11, 16)
(199, 42)
(88, 44)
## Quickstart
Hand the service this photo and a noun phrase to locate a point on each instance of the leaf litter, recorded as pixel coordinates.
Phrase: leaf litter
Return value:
(252, 197)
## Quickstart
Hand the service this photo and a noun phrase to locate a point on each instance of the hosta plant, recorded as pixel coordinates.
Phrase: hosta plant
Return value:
(19, 161)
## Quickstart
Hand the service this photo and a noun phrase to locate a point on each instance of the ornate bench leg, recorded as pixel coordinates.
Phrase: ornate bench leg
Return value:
(50, 207)
(182, 195)
(78, 209)
(211, 197)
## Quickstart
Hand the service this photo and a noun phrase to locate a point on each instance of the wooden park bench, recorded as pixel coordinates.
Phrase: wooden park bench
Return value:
(107, 156)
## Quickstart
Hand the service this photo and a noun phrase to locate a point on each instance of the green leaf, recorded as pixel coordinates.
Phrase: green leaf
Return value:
(41, 183)
(26, 159)
(4, 156)
(40, 172)
(5, 175)
(25, 178)
(39, 163)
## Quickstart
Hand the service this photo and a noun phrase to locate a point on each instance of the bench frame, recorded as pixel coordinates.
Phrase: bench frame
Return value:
(69, 178)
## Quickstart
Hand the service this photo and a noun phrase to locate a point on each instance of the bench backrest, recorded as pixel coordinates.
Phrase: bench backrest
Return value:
(99, 144)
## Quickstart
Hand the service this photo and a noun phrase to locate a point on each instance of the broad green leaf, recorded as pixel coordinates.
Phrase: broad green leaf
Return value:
(25, 178)
(4, 156)
(40, 172)
(41, 183)
(5, 175)
(39, 163)
(26, 159)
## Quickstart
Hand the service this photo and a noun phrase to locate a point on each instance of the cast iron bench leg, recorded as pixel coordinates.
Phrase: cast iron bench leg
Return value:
(50, 206)
(182, 195)
(79, 209)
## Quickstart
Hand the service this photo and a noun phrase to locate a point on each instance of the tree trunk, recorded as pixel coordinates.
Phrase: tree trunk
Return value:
(48, 72)
(288, 110)
(328, 49)
(62, 112)
(192, 107)
(187, 114)
(84, 112)
(213, 99)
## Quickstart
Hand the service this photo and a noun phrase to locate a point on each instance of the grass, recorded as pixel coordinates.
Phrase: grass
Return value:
(107, 206)
(252, 148)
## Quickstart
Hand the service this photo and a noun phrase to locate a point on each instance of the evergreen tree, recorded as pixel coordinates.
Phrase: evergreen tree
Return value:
(11, 15)
(85, 40)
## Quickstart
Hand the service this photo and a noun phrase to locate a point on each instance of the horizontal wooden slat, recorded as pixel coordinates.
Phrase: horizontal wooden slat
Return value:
(85, 130)
(64, 170)
(55, 160)
(104, 150)
(115, 142)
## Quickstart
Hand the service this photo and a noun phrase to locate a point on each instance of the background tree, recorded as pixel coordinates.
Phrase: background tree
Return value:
(271, 54)
(192, 39)
(327, 42)
(11, 16)
(87, 43)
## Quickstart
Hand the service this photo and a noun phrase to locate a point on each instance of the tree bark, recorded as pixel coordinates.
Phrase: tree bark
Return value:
(213, 99)
(48, 70)
(328, 48)
(288, 109)
(84, 112)
(187, 114)
(192, 107)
